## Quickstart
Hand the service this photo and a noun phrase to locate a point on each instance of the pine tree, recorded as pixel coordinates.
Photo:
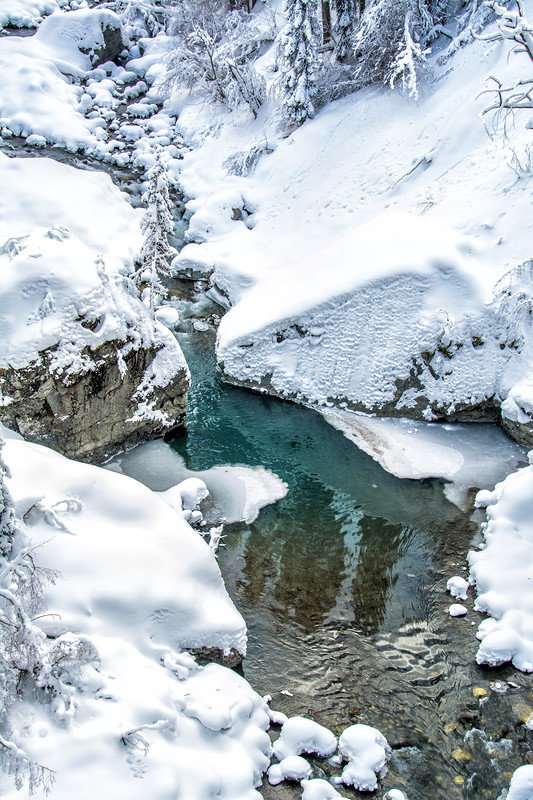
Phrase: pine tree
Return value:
(298, 60)
(346, 12)
(156, 225)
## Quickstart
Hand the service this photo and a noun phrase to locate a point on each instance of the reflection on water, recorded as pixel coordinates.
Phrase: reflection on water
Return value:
(348, 544)
(341, 585)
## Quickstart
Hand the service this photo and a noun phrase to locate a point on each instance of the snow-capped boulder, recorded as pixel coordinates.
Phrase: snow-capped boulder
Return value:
(94, 33)
(390, 319)
(367, 751)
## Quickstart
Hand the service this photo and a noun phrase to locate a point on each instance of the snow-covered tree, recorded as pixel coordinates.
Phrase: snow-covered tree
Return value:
(156, 225)
(298, 60)
(508, 99)
(213, 54)
(390, 43)
(346, 11)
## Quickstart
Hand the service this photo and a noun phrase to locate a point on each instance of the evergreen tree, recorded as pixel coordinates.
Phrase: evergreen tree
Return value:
(298, 60)
(156, 225)
(346, 13)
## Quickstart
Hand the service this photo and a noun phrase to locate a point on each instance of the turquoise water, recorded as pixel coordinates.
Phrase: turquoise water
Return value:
(349, 544)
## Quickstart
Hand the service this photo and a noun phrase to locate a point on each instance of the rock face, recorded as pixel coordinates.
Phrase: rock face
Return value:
(92, 414)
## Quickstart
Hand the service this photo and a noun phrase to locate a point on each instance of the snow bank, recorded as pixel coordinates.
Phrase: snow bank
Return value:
(114, 579)
(44, 193)
(37, 96)
(468, 455)
(502, 571)
(137, 584)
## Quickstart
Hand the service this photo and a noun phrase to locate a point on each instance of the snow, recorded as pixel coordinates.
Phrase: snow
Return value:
(521, 787)
(37, 96)
(318, 789)
(304, 257)
(114, 579)
(237, 492)
(141, 584)
(302, 735)
(44, 193)
(25, 13)
(294, 768)
(502, 571)
(457, 610)
(394, 794)
(458, 587)
(351, 322)
(466, 454)
(366, 750)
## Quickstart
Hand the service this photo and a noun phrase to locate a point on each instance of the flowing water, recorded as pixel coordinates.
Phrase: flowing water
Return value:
(342, 585)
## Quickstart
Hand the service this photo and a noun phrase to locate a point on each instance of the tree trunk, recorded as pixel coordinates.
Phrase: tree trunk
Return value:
(326, 22)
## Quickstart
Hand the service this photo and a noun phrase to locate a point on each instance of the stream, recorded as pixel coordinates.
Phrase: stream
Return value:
(342, 585)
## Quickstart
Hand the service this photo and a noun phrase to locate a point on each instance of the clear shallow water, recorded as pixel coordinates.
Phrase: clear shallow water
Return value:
(342, 585)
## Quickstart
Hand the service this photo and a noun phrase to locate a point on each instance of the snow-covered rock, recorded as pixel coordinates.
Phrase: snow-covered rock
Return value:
(502, 571)
(292, 768)
(366, 750)
(521, 787)
(84, 368)
(135, 585)
(457, 587)
(302, 735)
(25, 13)
(319, 789)
(388, 318)
(95, 34)
(457, 610)
(37, 95)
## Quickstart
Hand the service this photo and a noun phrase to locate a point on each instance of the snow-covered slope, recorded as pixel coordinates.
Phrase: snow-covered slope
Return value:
(286, 242)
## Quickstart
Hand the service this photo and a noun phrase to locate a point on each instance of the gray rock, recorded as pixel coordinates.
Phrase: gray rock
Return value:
(88, 415)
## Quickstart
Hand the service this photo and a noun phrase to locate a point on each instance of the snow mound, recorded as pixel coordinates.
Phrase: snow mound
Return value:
(25, 13)
(292, 768)
(458, 587)
(521, 787)
(302, 735)
(44, 193)
(392, 304)
(502, 573)
(367, 751)
(318, 789)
